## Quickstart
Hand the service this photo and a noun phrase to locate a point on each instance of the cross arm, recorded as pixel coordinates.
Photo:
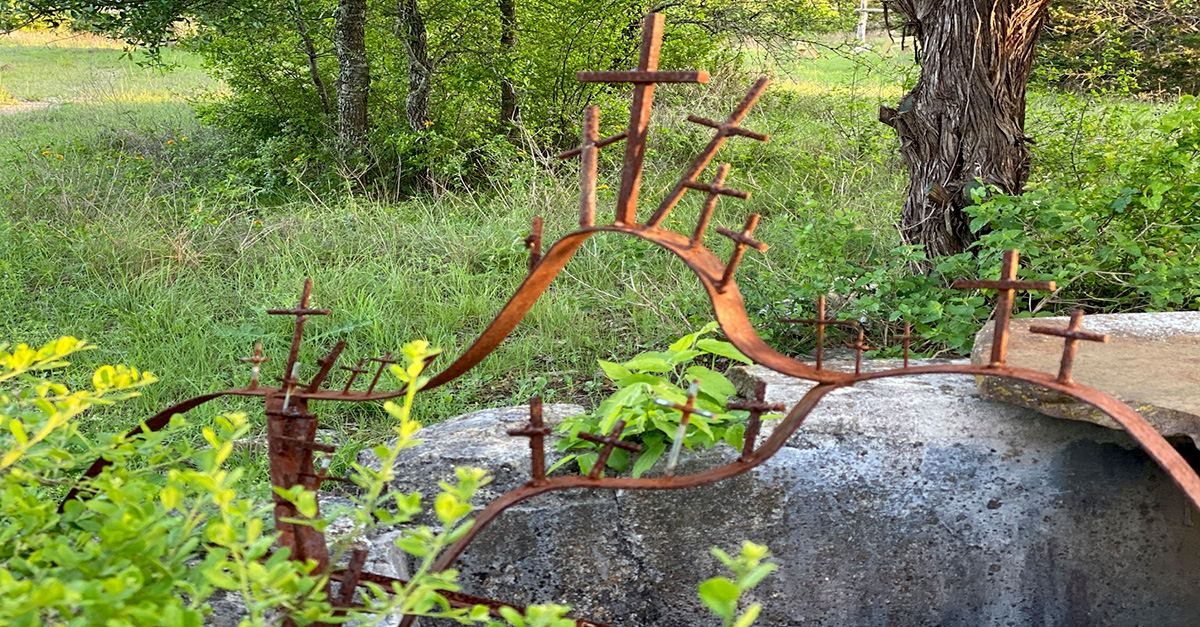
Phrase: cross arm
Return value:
(600, 143)
(644, 77)
(973, 284)
(299, 311)
(743, 239)
(609, 441)
(716, 189)
(1073, 334)
(728, 128)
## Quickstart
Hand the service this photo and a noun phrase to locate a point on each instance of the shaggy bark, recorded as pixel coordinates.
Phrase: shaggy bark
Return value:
(354, 74)
(411, 31)
(508, 94)
(965, 119)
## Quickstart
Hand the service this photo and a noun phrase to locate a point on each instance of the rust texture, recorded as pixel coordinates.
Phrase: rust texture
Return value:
(292, 429)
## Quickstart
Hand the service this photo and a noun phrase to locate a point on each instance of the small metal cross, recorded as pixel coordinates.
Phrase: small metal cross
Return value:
(906, 339)
(610, 442)
(383, 362)
(757, 407)
(687, 409)
(302, 312)
(354, 372)
(859, 347)
(588, 153)
(821, 322)
(1005, 288)
(533, 242)
(741, 241)
(644, 79)
(326, 364)
(256, 360)
(536, 431)
(1073, 334)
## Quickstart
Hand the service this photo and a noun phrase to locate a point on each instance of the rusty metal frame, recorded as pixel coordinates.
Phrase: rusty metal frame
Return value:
(291, 429)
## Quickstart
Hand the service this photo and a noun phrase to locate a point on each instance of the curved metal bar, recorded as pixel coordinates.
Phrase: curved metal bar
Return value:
(156, 423)
(727, 305)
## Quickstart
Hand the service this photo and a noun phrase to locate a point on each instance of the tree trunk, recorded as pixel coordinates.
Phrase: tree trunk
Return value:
(508, 38)
(965, 119)
(411, 31)
(354, 74)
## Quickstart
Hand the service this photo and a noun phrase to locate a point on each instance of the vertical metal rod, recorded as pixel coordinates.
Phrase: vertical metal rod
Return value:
(820, 330)
(589, 167)
(639, 122)
(710, 204)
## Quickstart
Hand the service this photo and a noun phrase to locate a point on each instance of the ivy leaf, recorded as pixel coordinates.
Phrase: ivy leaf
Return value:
(724, 349)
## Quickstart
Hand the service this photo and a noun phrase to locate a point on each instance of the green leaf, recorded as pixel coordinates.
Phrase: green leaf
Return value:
(735, 436)
(749, 617)
(651, 453)
(712, 382)
(649, 364)
(720, 595)
(615, 372)
(724, 349)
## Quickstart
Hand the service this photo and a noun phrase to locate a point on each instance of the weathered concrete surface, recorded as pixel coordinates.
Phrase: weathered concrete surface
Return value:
(901, 502)
(1152, 363)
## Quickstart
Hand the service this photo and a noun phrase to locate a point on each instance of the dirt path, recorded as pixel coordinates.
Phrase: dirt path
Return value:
(22, 106)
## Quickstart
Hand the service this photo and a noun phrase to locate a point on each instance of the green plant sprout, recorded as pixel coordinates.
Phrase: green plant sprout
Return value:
(722, 594)
(662, 375)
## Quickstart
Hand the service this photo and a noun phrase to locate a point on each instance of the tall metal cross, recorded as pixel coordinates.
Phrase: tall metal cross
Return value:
(536, 431)
(859, 347)
(644, 79)
(1005, 288)
(588, 153)
(302, 311)
(1073, 334)
(609, 442)
(687, 409)
(354, 372)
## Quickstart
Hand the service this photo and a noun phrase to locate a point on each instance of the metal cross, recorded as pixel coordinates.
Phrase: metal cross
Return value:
(757, 407)
(256, 361)
(644, 79)
(588, 153)
(302, 312)
(1006, 287)
(821, 322)
(383, 362)
(724, 130)
(533, 242)
(1073, 334)
(326, 364)
(354, 372)
(741, 241)
(859, 347)
(610, 442)
(906, 339)
(710, 204)
(687, 409)
(536, 431)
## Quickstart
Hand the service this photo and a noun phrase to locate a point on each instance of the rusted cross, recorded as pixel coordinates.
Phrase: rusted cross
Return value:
(644, 78)
(710, 204)
(724, 130)
(301, 312)
(1005, 288)
(687, 409)
(533, 242)
(383, 362)
(588, 153)
(757, 407)
(609, 442)
(1073, 334)
(255, 360)
(536, 431)
(859, 347)
(906, 339)
(741, 241)
(821, 322)
(354, 372)
(326, 363)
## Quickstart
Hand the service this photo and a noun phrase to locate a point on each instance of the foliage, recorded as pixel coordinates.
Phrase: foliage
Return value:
(167, 525)
(1124, 45)
(721, 594)
(660, 375)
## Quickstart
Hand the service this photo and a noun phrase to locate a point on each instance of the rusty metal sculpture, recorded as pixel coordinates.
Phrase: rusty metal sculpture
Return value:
(292, 429)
